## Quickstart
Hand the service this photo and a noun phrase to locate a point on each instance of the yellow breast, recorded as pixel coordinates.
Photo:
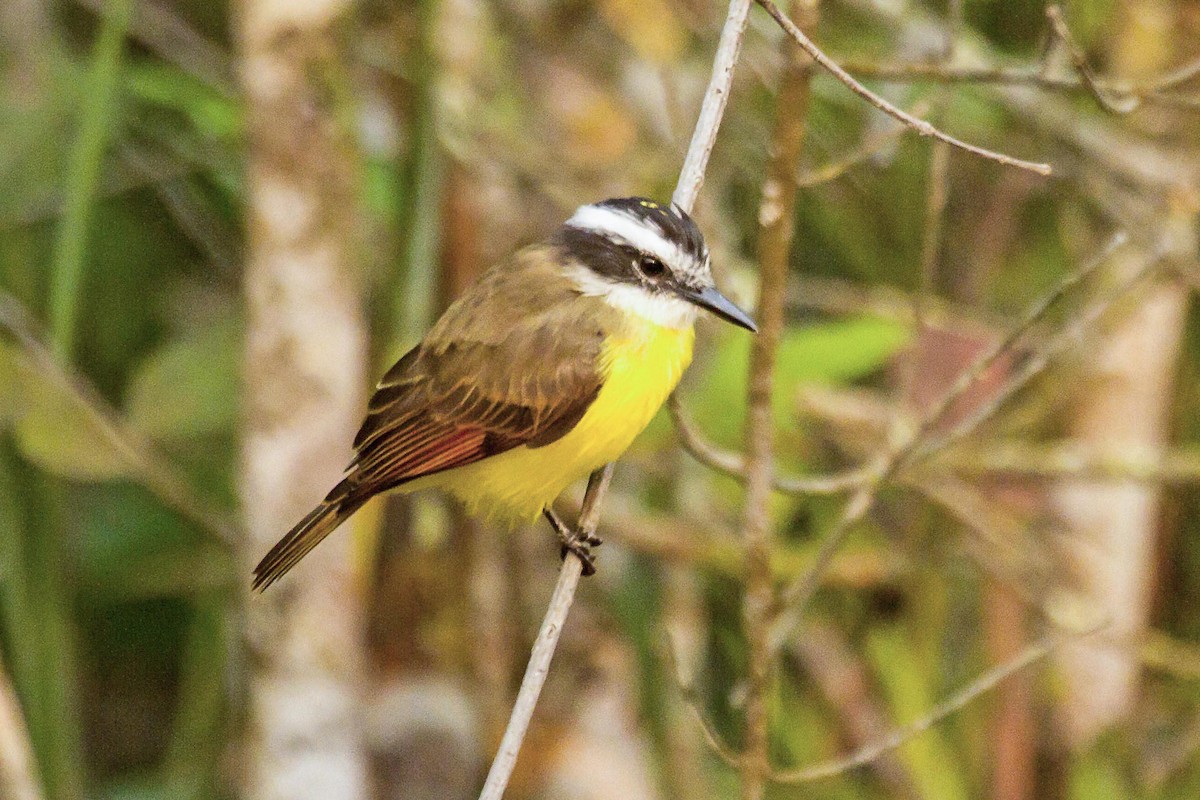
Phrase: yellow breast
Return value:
(641, 366)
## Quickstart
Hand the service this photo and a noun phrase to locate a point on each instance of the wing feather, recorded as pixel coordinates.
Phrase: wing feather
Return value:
(515, 361)
(481, 383)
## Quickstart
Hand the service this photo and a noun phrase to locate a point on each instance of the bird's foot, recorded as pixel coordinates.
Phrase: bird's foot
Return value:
(583, 552)
(580, 543)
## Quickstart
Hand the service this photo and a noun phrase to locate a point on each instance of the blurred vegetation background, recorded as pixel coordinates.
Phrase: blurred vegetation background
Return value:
(450, 132)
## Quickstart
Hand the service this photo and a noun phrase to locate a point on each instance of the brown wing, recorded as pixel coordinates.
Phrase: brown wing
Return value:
(514, 362)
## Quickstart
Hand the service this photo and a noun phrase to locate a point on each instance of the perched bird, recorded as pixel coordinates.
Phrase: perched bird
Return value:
(542, 372)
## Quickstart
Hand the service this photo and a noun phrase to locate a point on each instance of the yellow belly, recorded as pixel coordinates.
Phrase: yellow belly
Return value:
(641, 367)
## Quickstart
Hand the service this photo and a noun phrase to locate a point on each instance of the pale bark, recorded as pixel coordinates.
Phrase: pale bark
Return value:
(1110, 550)
(1114, 529)
(304, 367)
(18, 773)
(603, 755)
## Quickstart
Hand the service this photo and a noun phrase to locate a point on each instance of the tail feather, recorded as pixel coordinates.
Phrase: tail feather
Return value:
(337, 507)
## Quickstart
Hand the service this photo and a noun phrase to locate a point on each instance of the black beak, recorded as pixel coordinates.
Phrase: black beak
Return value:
(709, 298)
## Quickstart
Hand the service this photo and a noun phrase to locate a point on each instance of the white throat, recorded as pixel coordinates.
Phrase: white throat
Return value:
(657, 307)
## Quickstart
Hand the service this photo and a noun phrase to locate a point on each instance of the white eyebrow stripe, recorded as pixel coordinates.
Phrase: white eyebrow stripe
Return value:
(632, 231)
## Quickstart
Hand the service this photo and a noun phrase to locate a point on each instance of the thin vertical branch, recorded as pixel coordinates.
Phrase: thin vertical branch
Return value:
(544, 647)
(776, 218)
(691, 178)
(535, 678)
(712, 109)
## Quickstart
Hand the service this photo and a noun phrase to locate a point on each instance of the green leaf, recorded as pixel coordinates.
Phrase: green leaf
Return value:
(55, 434)
(930, 759)
(831, 353)
(189, 386)
(131, 546)
(212, 114)
(1095, 775)
(838, 352)
(10, 383)
(52, 423)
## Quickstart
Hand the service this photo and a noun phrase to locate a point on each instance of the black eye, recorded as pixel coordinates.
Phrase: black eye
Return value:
(651, 267)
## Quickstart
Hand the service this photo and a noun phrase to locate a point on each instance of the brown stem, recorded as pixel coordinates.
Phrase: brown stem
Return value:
(776, 220)
(1058, 26)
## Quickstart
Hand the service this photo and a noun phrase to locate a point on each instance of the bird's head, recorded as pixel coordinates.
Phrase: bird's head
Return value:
(645, 258)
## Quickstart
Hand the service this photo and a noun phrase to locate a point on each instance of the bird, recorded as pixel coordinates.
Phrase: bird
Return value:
(543, 371)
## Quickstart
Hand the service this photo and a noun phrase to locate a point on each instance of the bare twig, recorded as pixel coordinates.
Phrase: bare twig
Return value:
(998, 535)
(921, 126)
(1176, 77)
(985, 362)
(724, 461)
(865, 755)
(535, 677)
(712, 109)
(733, 464)
(830, 664)
(1058, 26)
(1036, 363)
(690, 180)
(1074, 460)
(545, 645)
(687, 688)
(693, 541)
(794, 598)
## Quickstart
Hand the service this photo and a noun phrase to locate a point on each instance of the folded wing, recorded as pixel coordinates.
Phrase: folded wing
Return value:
(476, 387)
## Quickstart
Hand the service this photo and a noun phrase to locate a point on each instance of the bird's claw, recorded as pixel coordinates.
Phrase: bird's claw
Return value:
(583, 551)
(578, 542)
